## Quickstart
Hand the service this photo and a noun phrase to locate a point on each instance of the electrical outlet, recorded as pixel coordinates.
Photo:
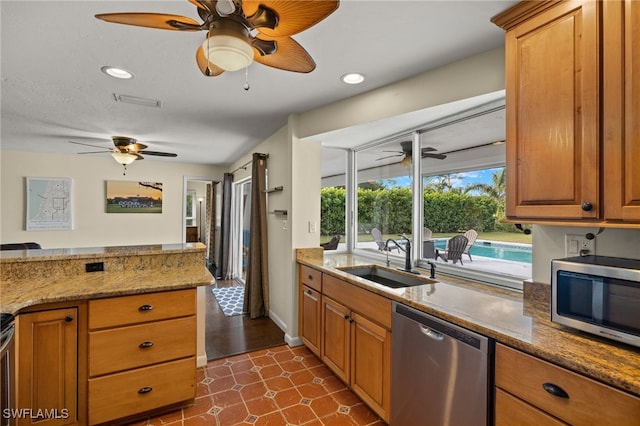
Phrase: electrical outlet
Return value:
(579, 245)
(285, 225)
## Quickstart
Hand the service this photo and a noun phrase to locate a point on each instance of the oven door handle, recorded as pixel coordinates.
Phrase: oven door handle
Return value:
(6, 337)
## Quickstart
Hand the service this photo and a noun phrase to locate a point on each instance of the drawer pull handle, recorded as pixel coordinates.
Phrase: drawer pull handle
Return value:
(310, 277)
(145, 389)
(68, 318)
(308, 292)
(555, 390)
(145, 308)
(145, 345)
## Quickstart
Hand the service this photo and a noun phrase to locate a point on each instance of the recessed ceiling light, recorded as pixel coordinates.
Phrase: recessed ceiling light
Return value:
(116, 72)
(353, 78)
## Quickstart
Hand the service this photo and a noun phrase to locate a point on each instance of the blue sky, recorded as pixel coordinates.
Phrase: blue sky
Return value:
(460, 180)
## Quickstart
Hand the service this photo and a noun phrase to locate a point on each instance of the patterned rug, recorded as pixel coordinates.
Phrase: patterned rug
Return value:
(230, 299)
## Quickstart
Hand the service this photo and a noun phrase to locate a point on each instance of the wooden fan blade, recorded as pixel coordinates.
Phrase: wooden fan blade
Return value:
(289, 56)
(436, 156)
(160, 154)
(207, 68)
(428, 149)
(204, 4)
(95, 152)
(152, 20)
(389, 156)
(293, 16)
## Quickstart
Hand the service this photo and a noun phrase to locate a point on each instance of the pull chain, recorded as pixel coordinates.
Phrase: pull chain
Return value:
(246, 79)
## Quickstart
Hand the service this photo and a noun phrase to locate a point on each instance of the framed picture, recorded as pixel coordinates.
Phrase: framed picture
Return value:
(125, 196)
(49, 204)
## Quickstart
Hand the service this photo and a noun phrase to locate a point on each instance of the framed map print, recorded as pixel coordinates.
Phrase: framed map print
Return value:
(48, 204)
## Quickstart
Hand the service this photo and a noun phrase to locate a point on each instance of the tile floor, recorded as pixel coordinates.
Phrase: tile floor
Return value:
(275, 386)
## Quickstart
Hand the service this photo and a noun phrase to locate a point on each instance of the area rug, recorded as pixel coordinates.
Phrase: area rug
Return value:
(230, 299)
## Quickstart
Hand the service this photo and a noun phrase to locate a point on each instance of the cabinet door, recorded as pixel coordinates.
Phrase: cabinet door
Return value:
(621, 86)
(335, 333)
(552, 110)
(371, 364)
(513, 411)
(47, 365)
(310, 318)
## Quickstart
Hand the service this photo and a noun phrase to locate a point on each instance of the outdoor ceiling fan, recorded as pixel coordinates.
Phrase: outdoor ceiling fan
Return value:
(242, 31)
(126, 150)
(406, 153)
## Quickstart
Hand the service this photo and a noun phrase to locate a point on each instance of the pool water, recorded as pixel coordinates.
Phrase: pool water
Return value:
(494, 250)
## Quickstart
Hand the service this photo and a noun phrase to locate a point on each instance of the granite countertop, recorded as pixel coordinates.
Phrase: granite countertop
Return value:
(504, 315)
(34, 277)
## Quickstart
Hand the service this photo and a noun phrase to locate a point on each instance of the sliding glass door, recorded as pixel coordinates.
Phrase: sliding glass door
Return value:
(241, 227)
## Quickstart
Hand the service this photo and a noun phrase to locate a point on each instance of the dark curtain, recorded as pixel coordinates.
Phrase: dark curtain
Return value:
(256, 293)
(210, 226)
(225, 227)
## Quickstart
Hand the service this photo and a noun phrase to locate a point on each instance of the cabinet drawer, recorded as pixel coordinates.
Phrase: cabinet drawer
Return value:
(311, 277)
(135, 346)
(511, 411)
(125, 310)
(589, 402)
(371, 305)
(136, 391)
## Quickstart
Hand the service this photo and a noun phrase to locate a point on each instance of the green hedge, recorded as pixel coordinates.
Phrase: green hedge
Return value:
(390, 211)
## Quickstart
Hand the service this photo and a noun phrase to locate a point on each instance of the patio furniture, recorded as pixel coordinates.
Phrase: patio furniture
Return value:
(455, 248)
(382, 246)
(332, 244)
(471, 235)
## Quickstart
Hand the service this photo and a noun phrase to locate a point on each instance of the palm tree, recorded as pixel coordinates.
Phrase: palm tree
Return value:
(496, 190)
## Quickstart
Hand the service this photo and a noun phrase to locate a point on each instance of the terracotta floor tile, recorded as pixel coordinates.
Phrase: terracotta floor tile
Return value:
(298, 414)
(241, 365)
(263, 360)
(324, 406)
(311, 361)
(227, 398)
(172, 418)
(222, 385)
(338, 419)
(311, 390)
(247, 377)
(272, 370)
(333, 384)
(233, 415)
(363, 415)
(278, 383)
(202, 405)
(284, 356)
(321, 371)
(219, 371)
(282, 348)
(261, 406)
(301, 377)
(254, 390)
(346, 397)
(273, 419)
(201, 420)
(287, 398)
(292, 366)
(301, 350)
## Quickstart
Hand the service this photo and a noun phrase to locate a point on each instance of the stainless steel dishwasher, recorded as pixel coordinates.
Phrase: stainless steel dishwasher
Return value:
(439, 372)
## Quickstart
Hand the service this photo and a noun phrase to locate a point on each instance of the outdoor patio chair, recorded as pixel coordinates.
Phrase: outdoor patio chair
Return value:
(426, 234)
(377, 237)
(455, 248)
(332, 244)
(471, 235)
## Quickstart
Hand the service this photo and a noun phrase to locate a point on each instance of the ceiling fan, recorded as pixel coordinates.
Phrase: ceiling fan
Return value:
(126, 150)
(242, 31)
(406, 153)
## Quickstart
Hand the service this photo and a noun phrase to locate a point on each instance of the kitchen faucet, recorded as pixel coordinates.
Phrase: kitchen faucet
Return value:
(406, 249)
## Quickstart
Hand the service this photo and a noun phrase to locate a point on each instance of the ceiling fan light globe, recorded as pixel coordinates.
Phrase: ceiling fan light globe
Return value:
(124, 158)
(228, 52)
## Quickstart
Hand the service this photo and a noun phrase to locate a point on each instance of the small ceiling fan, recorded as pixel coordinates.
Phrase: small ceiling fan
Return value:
(242, 31)
(406, 153)
(126, 150)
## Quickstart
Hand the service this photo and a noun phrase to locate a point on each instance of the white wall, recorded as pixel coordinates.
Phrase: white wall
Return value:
(92, 226)
(548, 244)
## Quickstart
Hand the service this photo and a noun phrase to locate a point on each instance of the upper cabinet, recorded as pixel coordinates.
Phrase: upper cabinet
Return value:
(571, 100)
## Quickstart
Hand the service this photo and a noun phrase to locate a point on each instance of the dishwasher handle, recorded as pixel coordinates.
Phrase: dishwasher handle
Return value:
(431, 333)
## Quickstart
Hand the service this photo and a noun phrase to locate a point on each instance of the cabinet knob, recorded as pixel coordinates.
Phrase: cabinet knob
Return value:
(587, 206)
(145, 389)
(346, 316)
(145, 345)
(145, 308)
(308, 292)
(68, 318)
(310, 277)
(555, 390)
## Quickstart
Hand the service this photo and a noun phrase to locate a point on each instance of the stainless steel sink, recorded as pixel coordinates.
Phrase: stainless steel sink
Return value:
(386, 276)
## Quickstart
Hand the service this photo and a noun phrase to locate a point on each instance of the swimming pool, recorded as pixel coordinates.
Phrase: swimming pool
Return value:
(496, 250)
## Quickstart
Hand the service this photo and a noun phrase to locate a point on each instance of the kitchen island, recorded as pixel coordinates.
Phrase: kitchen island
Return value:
(104, 334)
(513, 319)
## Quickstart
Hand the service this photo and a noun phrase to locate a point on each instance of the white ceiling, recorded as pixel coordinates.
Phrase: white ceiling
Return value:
(53, 90)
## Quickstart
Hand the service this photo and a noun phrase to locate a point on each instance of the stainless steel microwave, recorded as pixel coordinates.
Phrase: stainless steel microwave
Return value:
(599, 295)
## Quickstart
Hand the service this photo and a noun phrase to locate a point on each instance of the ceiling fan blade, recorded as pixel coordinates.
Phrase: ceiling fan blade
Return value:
(399, 152)
(160, 154)
(207, 68)
(289, 56)
(152, 20)
(428, 149)
(389, 156)
(88, 144)
(94, 152)
(406, 146)
(436, 156)
(293, 16)
(203, 4)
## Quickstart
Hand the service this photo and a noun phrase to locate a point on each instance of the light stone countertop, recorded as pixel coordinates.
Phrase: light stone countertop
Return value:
(503, 315)
(34, 277)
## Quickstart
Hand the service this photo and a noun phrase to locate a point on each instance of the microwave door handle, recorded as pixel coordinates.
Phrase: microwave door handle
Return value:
(597, 301)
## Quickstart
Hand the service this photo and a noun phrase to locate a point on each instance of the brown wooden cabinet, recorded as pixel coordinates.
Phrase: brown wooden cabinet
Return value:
(568, 158)
(192, 234)
(49, 366)
(310, 310)
(530, 391)
(141, 353)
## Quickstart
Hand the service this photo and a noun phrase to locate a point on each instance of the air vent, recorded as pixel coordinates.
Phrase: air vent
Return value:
(152, 103)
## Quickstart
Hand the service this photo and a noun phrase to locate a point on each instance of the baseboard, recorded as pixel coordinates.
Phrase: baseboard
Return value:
(289, 340)
(201, 360)
(292, 341)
